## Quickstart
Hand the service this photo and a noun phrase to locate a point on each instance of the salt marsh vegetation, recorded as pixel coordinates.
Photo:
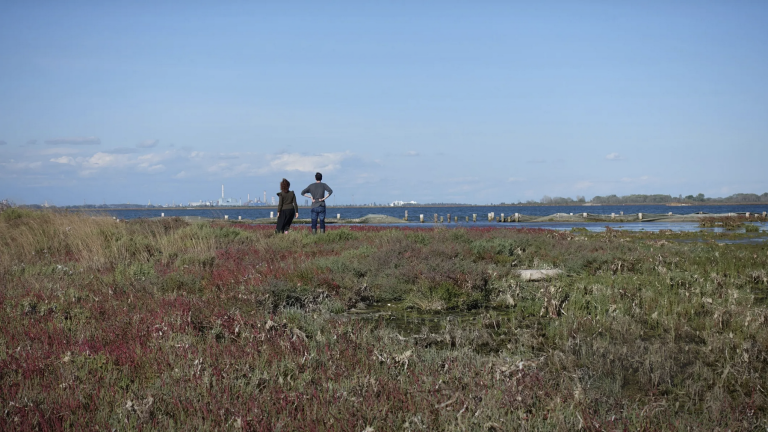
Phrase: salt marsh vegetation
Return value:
(167, 325)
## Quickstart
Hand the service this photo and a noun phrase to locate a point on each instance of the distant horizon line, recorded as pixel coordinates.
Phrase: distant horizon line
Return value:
(546, 200)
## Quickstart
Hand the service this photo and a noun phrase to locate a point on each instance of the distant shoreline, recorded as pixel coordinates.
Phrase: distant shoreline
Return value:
(409, 206)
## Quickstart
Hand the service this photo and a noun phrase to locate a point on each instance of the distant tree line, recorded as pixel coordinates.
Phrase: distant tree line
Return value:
(665, 199)
(563, 201)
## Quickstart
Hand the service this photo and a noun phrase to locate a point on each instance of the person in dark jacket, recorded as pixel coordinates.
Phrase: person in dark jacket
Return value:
(317, 191)
(287, 207)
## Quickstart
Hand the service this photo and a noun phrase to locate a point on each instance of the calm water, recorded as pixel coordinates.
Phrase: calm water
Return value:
(414, 212)
(464, 211)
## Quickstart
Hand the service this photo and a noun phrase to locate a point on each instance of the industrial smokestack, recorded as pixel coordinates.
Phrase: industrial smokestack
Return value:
(222, 191)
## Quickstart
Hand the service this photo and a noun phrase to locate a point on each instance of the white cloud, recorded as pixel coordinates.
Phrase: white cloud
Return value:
(181, 175)
(74, 141)
(64, 160)
(105, 160)
(226, 169)
(308, 163)
(219, 167)
(411, 153)
(613, 157)
(148, 143)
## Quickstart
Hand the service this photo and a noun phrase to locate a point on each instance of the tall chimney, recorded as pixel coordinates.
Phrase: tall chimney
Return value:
(222, 191)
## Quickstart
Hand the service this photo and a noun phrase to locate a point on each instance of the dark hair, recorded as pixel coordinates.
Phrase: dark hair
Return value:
(318, 176)
(284, 185)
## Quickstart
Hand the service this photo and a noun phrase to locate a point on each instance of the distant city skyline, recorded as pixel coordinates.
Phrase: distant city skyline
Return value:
(454, 102)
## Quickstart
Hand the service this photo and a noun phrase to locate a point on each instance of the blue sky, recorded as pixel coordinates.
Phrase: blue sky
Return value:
(476, 102)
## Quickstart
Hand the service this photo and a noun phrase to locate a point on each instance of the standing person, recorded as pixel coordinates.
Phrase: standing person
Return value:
(287, 207)
(317, 192)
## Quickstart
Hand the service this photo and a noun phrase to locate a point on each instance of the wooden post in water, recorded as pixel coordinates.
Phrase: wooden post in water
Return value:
(640, 216)
(163, 215)
(406, 216)
(271, 215)
(338, 216)
(226, 217)
(584, 215)
(517, 217)
(421, 218)
(474, 217)
(239, 218)
(747, 215)
(763, 214)
(441, 219)
(613, 215)
(502, 217)
(449, 218)
(467, 218)
(670, 213)
(622, 213)
(435, 217)
(455, 219)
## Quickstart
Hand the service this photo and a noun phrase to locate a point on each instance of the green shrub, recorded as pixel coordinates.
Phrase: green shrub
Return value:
(496, 246)
(282, 294)
(137, 271)
(338, 235)
(204, 262)
(14, 213)
(420, 239)
(226, 233)
(181, 282)
(134, 247)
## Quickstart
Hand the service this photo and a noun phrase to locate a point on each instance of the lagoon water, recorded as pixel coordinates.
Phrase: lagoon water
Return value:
(467, 211)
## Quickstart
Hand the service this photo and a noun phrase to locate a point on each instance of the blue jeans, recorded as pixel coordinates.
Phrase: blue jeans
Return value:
(318, 213)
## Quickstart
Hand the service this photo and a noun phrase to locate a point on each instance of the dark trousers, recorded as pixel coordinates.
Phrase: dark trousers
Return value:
(284, 220)
(318, 213)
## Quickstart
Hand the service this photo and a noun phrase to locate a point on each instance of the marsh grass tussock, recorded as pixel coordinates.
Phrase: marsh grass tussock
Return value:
(166, 325)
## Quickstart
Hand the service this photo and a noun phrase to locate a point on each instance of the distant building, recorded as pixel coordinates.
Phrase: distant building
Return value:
(402, 203)
(229, 202)
(201, 203)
